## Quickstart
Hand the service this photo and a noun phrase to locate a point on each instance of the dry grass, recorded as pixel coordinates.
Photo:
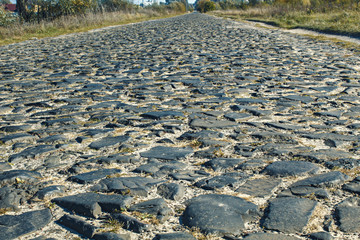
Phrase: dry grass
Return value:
(336, 20)
(73, 24)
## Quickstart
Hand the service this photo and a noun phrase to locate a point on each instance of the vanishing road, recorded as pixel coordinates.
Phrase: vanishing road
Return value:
(183, 128)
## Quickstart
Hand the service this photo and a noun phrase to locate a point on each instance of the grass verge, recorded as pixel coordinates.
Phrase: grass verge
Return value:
(334, 21)
(73, 24)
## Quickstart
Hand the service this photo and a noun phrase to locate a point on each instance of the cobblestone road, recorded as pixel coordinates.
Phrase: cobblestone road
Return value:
(175, 128)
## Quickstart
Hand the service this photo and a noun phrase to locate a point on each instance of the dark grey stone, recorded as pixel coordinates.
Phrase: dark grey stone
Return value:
(305, 191)
(49, 191)
(158, 169)
(92, 204)
(172, 191)
(284, 126)
(289, 215)
(329, 179)
(96, 132)
(353, 187)
(330, 136)
(93, 176)
(336, 114)
(54, 139)
(167, 153)
(13, 226)
(156, 207)
(17, 137)
(274, 137)
(235, 117)
(60, 122)
(109, 142)
(31, 152)
(269, 236)
(344, 163)
(117, 158)
(348, 215)
(259, 187)
(43, 238)
(219, 214)
(189, 175)
(130, 223)
(323, 155)
(219, 164)
(9, 198)
(77, 224)
(134, 186)
(162, 115)
(212, 124)
(251, 109)
(174, 236)
(245, 101)
(303, 99)
(291, 168)
(13, 176)
(232, 179)
(254, 165)
(15, 128)
(321, 236)
(4, 166)
(203, 134)
(111, 236)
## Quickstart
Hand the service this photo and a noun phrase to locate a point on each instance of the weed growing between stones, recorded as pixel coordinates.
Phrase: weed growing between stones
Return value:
(112, 225)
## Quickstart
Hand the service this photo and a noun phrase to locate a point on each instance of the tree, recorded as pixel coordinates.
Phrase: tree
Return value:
(22, 7)
(205, 6)
(3, 2)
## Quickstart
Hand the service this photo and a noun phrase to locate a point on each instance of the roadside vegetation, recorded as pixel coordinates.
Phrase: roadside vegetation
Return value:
(49, 18)
(328, 16)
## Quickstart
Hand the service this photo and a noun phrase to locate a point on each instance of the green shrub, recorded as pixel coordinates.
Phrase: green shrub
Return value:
(205, 6)
(6, 18)
(177, 6)
(116, 5)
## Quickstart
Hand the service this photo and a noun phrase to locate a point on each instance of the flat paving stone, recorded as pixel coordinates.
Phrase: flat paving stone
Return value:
(174, 236)
(77, 224)
(127, 185)
(157, 169)
(211, 124)
(329, 179)
(347, 214)
(289, 215)
(172, 191)
(49, 191)
(109, 142)
(9, 199)
(13, 176)
(269, 236)
(31, 152)
(162, 115)
(93, 176)
(14, 226)
(231, 179)
(218, 164)
(167, 153)
(92, 204)
(220, 214)
(259, 187)
(156, 207)
(111, 236)
(290, 168)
